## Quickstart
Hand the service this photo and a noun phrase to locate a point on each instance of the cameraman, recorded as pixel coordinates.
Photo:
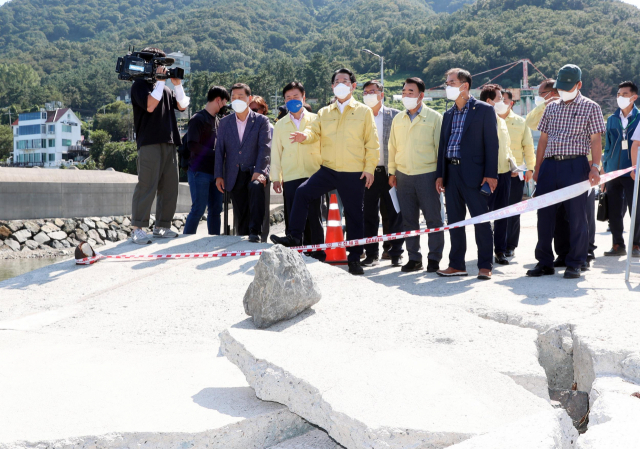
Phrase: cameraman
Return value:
(201, 141)
(157, 136)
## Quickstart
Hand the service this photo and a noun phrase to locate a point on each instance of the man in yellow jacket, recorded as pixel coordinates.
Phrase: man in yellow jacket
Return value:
(546, 94)
(524, 153)
(499, 198)
(293, 163)
(349, 148)
(413, 159)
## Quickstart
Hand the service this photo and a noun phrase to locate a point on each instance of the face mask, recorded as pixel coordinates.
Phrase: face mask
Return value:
(568, 96)
(294, 106)
(409, 103)
(453, 93)
(539, 100)
(623, 102)
(371, 100)
(501, 108)
(239, 106)
(341, 91)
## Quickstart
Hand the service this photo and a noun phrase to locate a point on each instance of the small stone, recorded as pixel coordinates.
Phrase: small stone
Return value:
(93, 234)
(15, 225)
(69, 226)
(106, 220)
(281, 289)
(177, 223)
(81, 235)
(112, 236)
(122, 236)
(31, 227)
(14, 245)
(126, 222)
(58, 235)
(102, 233)
(32, 245)
(4, 232)
(58, 222)
(118, 219)
(89, 222)
(101, 225)
(21, 236)
(41, 238)
(49, 227)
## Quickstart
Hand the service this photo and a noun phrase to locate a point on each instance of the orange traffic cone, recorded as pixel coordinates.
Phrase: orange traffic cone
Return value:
(335, 256)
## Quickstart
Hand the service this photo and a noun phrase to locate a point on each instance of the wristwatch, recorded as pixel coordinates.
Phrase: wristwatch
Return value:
(598, 167)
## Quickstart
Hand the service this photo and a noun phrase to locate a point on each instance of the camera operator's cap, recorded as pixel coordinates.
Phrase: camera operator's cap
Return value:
(568, 76)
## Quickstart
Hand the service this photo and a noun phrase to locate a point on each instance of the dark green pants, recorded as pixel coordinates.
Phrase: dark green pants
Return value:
(157, 174)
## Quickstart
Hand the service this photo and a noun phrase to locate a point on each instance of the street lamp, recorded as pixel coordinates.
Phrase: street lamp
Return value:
(364, 50)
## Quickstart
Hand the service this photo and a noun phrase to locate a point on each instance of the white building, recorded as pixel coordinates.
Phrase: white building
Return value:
(45, 138)
(182, 60)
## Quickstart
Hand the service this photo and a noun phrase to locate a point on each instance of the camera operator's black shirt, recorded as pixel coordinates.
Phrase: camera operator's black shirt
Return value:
(161, 125)
(201, 137)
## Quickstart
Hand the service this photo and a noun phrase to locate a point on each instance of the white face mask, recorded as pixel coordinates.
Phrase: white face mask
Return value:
(568, 96)
(453, 92)
(501, 108)
(539, 100)
(371, 100)
(341, 91)
(623, 102)
(410, 103)
(239, 106)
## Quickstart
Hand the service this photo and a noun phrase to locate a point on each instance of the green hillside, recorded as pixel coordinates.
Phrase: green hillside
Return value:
(66, 50)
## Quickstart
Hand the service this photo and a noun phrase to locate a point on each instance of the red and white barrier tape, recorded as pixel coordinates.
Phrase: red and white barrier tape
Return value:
(530, 205)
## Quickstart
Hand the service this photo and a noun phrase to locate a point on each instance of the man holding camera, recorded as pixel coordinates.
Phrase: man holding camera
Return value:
(157, 137)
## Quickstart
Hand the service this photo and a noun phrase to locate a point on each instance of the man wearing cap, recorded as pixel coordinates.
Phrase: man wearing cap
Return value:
(570, 128)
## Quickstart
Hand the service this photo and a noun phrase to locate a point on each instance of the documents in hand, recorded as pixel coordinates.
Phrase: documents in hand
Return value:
(394, 198)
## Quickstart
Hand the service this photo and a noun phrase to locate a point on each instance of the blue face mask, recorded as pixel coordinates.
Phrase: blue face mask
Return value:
(294, 105)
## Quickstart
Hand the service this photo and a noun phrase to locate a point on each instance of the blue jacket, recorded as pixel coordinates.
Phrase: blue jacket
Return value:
(254, 151)
(615, 158)
(478, 147)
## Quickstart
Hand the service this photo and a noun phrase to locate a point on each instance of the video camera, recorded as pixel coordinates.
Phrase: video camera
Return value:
(143, 65)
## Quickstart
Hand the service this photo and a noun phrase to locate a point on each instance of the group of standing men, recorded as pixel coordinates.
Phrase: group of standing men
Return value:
(479, 154)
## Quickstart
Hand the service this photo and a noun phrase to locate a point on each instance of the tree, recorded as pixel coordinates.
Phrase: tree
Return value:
(121, 156)
(99, 140)
(6, 141)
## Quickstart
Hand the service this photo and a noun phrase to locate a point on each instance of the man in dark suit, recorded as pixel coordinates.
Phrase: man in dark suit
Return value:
(243, 148)
(378, 193)
(467, 160)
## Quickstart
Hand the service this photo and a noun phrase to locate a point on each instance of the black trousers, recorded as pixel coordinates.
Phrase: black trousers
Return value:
(248, 202)
(313, 231)
(459, 197)
(562, 237)
(617, 191)
(497, 200)
(513, 223)
(374, 196)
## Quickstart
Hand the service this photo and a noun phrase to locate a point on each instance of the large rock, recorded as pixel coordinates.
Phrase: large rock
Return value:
(81, 235)
(59, 222)
(15, 246)
(32, 227)
(59, 235)
(15, 225)
(89, 222)
(4, 232)
(93, 234)
(21, 236)
(32, 245)
(69, 226)
(49, 227)
(101, 225)
(281, 289)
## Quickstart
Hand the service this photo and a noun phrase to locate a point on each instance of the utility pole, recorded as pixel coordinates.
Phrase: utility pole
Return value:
(364, 50)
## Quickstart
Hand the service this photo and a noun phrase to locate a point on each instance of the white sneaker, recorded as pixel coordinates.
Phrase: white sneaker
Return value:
(164, 233)
(140, 237)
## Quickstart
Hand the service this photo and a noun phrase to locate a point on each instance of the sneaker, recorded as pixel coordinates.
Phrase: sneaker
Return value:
(164, 233)
(559, 262)
(355, 268)
(253, 238)
(396, 261)
(286, 241)
(635, 252)
(412, 265)
(451, 272)
(370, 262)
(501, 259)
(616, 251)
(432, 266)
(572, 273)
(541, 270)
(140, 237)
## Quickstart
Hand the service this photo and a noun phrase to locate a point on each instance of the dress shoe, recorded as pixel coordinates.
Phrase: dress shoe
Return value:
(355, 268)
(286, 241)
(370, 262)
(432, 266)
(635, 252)
(541, 270)
(616, 251)
(396, 261)
(385, 255)
(572, 273)
(510, 253)
(450, 272)
(585, 266)
(501, 259)
(591, 256)
(253, 238)
(559, 262)
(484, 274)
(412, 265)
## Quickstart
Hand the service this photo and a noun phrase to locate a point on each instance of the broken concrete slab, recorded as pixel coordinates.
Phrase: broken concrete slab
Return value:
(545, 430)
(391, 397)
(315, 439)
